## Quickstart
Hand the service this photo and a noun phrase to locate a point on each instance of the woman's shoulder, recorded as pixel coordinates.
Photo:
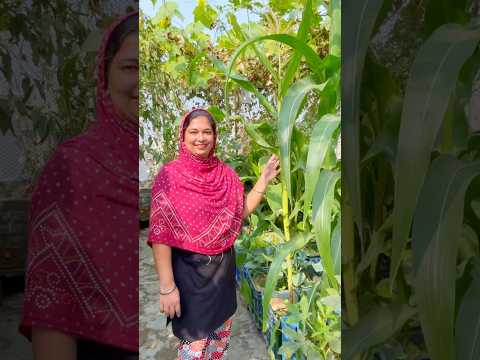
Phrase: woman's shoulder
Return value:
(166, 170)
(167, 167)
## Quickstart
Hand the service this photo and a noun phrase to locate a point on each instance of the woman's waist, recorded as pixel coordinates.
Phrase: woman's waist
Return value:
(186, 252)
(200, 257)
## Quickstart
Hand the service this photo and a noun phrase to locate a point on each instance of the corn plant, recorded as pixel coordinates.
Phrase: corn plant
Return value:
(306, 199)
(410, 229)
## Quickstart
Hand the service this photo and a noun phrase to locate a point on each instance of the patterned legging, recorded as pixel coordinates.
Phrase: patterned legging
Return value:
(215, 346)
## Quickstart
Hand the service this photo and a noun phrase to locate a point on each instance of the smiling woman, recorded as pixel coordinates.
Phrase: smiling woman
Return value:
(200, 133)
(121, 68)
(81, 232)
(197, 210)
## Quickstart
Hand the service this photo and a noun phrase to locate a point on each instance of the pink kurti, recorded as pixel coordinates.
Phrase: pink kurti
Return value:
(197, 204)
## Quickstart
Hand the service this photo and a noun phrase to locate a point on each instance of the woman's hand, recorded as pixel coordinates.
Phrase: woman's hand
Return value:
(271, 169)
(253, 199)
(170, 304)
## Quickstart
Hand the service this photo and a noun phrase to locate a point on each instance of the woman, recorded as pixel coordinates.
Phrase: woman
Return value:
(196, 214)
(81, 295)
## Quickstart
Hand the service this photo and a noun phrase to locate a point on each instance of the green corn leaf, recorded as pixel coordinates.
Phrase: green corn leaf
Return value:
(437, 229)
(294, 61)
(261, 56)
(320, 142)
(468, 321)
(291, 106)
(376, 246)
(376, 327)
(297, 242)
(337, 247)
(311, 57)
(432, 79)
(335, 12)
(323, 201)
(354, 50)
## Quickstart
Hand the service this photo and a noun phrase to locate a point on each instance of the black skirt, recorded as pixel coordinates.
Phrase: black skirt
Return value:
(207, 292)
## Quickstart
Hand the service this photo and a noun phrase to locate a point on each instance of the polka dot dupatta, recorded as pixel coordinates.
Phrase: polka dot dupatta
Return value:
(197, 203)
(82, 267)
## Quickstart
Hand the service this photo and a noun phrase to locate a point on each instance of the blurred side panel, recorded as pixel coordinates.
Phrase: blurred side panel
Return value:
(68, 177)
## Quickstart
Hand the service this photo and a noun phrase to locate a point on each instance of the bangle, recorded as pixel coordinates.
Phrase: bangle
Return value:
(260, 192)
(169, 291)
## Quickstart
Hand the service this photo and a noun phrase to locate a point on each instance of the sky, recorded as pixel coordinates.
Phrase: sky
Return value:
(186, 8)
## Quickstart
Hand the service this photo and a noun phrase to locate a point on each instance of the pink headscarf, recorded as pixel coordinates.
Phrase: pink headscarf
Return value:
(82, 267)
(197, 204)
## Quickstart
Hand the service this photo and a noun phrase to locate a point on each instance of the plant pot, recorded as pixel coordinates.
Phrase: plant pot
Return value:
(285, 338)
(272, 335)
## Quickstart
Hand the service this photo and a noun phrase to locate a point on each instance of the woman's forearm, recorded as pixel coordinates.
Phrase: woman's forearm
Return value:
(53, 345)
(254, 198)
(163, 263)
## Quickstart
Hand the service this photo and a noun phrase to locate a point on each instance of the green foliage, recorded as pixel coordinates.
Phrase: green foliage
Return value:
(269, 83)
(411, 238)
(59, 42)
(184, 66)
(205, 14)
(303, 169)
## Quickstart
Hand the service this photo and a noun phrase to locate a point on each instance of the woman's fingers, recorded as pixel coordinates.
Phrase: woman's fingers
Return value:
(274, 162)
(169, 308)
(171, 311)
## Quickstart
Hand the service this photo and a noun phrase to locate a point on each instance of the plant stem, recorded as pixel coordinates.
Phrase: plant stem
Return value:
(286, 230)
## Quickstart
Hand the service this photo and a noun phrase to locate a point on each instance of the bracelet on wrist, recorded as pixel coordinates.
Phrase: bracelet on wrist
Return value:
(260, 192)
(169, 291)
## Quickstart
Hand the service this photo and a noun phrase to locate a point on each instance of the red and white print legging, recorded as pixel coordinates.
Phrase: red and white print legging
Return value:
(215, 346)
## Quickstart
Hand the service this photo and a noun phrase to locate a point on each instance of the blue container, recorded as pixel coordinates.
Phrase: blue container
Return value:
(285, 338)
(272, 335)
(256, 310)
(257, 297)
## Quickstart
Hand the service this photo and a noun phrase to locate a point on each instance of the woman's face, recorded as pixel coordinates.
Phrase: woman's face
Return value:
(199, 136)
(123, 78)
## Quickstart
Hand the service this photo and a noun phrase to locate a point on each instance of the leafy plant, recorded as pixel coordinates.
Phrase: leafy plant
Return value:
(273, 86)
(410, 236)
(308, 175)
(47, 61)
